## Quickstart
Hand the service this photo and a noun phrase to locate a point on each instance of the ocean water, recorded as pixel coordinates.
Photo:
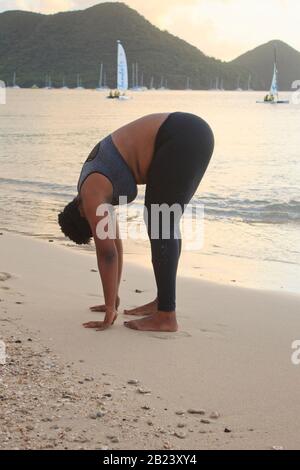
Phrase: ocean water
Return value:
(251, 192)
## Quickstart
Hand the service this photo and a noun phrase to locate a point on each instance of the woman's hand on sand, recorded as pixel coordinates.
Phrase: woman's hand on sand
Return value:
(109, 320)
(102, 308)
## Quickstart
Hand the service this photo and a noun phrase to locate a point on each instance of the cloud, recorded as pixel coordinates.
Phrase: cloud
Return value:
(40, 6)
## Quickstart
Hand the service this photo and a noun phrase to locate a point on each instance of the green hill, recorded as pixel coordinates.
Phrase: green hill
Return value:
(260, 63)
(34, 45)
(74, 42)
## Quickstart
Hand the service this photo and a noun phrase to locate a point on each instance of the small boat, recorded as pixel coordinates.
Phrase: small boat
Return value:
(79, 83)
(249, 83)
(100, 86)
(273, 96)
(122, 76)
(238, 88)
(64, 86)
(152, 84)
(15, 86)
(48, 83)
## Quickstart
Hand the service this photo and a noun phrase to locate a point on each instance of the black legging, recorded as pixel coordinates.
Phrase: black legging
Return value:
(183, 148)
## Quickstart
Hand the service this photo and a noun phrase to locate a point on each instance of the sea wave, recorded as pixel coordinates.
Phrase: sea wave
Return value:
(225, 208)
(39, 187)
(251, 211)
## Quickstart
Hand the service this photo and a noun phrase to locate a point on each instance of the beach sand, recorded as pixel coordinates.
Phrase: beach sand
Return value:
(67, 387)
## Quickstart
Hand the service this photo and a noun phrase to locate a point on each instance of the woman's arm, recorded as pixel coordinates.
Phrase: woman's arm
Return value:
(94, 202)
(119, 248)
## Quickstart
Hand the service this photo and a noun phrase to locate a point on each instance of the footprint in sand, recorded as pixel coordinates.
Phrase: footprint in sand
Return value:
(4, 277)
(170, 336)
(211, 334)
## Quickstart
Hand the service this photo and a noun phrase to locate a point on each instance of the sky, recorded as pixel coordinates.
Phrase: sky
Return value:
(220, 28)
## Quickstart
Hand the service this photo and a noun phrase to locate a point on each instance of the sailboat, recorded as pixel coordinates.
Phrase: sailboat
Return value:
(48, 83)
(163, 82)
(64, 86)
(100, 84)
(249, 83)
(188, 84)
(15, 86)
(238, 88)
(79, 83)
(273, 96)
(152, 84)
(122, 76)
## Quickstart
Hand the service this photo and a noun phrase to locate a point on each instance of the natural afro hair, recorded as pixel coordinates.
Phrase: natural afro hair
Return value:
(73, 225)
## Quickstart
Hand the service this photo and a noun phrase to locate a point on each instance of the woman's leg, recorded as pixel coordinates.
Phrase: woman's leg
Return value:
(176, 171)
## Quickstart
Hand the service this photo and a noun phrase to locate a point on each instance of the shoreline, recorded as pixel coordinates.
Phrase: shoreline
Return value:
(232, 356)
(236, 271)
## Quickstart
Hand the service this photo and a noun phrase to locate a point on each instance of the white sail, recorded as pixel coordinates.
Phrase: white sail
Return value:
(274, 85)
(122, 69)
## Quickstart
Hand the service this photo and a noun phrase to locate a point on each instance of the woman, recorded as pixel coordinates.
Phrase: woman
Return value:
(170, 154)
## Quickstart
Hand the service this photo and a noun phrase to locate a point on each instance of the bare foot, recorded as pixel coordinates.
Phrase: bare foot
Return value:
(148, 309)
(160, 321)
(102, 308)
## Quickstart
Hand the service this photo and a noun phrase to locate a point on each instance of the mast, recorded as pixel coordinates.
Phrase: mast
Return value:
(249, 82)
(137, 75)
(133, 76)
(101, 75)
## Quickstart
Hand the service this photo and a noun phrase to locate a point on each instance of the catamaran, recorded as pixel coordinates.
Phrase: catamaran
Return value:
(273, 96)
(64, 86)
(79, 83)
(122, 76)
(48, 83)
(238, 88)
(152, 84)
(188, 84)
(100, 84)
(249, 83)
(15, 81)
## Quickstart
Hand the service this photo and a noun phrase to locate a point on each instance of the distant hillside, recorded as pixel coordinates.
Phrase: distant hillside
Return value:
(68, 43)
(260, 63)
(34, 45)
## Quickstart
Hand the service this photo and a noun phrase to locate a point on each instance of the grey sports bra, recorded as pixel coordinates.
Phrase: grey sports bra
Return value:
(107, 160)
